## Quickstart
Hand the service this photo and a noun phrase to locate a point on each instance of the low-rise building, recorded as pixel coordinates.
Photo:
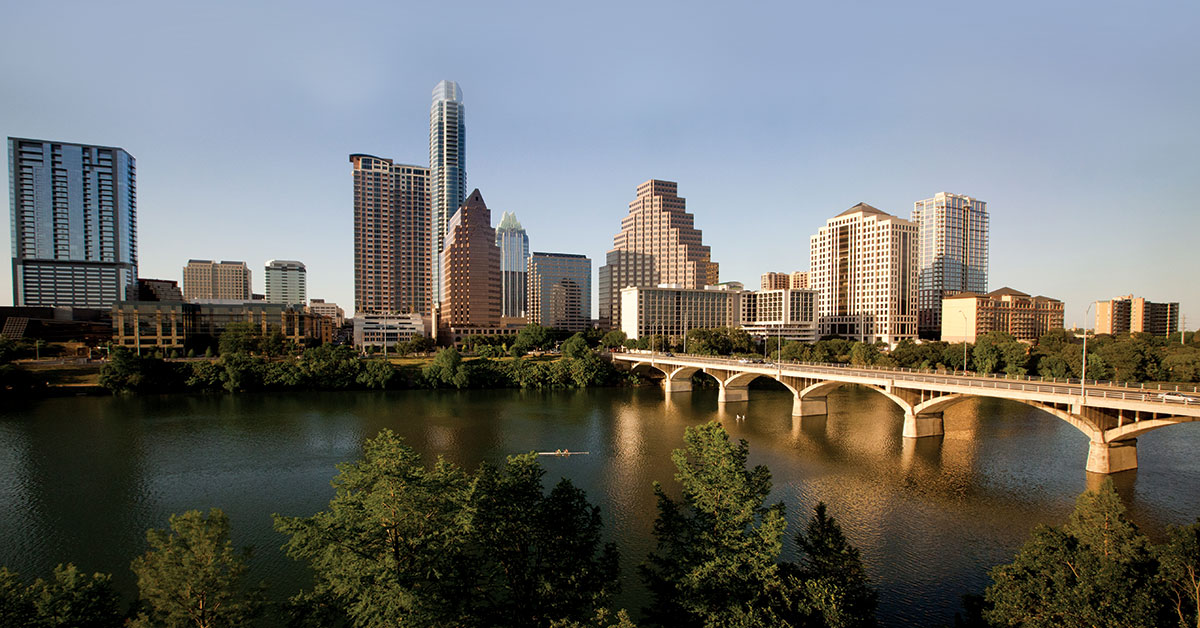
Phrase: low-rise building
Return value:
(177, 325)
(387, 330)
(791, 314)
(331, 310)
(1128, 315)
(966, 316)
(671, 310)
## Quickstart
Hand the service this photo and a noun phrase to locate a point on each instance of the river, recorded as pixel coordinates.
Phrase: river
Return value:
(82, 478)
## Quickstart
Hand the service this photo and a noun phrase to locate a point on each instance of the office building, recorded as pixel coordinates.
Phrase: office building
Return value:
(952, 231)
(514, 266)
(204, 279)
(157, 290)
(74, 223)
(287, 282)
(1130, 315)
(798, 280)
(671, 310)
(863, 266)
(966, 316)
(658, 243)
(781, 313)
(174, 325)
(470, 269)
(320, 307)
(385, 331)
(392, 269)
(447, 171)
(560, 291)
(773, 281)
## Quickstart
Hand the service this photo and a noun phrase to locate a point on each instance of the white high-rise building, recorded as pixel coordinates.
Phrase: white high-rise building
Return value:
(447, 170)
(952, 231)
(286, 282)
(863, 265)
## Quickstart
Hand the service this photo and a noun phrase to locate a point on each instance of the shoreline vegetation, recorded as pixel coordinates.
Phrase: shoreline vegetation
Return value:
(412, 542)
(244, 360)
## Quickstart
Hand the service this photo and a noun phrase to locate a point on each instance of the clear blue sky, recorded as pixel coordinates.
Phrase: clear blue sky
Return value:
(1078, 123)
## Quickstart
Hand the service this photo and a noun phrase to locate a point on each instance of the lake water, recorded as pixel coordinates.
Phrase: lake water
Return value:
(81, 479)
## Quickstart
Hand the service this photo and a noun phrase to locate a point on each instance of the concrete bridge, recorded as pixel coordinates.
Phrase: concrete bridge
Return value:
(1111, 415)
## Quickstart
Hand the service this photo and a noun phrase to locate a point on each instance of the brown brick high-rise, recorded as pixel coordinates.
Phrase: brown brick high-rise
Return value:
(470, 268)
(658, 243)
(391, 237)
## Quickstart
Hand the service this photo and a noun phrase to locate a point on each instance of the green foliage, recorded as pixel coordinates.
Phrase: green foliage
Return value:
(376, 374)
(613, 339)
(719, 341)
(126, 371)
(192, 576)
(1097, 570)
(837, 592)
(1179, 570)
(330, 367)
(576, 346)
(240, 338)
(402, 544)
(533, 336)
(714, 563)
(69, 599)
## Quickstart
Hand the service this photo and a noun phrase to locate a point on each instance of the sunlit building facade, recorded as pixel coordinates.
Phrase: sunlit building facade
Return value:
(447, 170)
(966, 316)
(470, 269)
(514, 266)
(863, 265)
(560, 291)
(204, 279)
(1131, 315)
(391, 236)
(658, 243)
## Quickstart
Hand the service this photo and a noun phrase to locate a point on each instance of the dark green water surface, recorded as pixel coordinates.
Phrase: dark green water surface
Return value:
(81, 479)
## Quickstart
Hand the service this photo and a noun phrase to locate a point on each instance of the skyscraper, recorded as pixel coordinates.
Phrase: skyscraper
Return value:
(470, 268)
(560, 291)
(287, 282)
(392, 271)
(514, 262)
(204, 279)
(74, 223)
(863, 266)
(953, 257)
(447, 170)
(658, 243)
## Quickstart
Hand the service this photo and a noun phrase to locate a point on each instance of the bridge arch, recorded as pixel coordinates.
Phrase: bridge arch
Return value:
(1133, 430)
(940, 404)
(742, 380)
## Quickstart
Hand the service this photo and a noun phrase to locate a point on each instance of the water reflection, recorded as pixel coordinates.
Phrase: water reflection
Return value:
(81, 479)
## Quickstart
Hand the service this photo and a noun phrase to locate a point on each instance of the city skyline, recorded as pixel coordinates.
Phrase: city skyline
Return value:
(1074, 161)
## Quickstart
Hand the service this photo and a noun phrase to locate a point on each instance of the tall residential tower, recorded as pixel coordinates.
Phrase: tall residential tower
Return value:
(514, 260)
(391, 237)
(952, 231)
(74, 223)
(658, 243)
(447, 170)
(863, 266)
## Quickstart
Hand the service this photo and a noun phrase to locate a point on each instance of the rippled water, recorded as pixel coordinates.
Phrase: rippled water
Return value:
(81, 479)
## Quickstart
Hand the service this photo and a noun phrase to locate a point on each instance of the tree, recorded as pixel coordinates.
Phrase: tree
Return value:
(1179, 569)
(406, 545)
(714, 563)
(831, 575)
(1097, 570)
(444, 369)
(613, 339)
(69, 598)
(864, 354)
(192, 576)
(575, 347)
(533, 336)
(240, 338)
(376, 374)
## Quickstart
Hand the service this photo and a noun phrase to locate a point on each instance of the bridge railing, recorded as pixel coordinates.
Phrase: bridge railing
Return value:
(1103, 389)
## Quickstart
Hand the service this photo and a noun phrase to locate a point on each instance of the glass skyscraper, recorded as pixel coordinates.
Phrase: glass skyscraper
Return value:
(74, 223)
(514, 262)
(560, 291)
(953, 254)
(447, 170)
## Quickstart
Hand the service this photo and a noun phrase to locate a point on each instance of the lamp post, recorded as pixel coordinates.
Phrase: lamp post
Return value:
(1083, 367)
(964, 317)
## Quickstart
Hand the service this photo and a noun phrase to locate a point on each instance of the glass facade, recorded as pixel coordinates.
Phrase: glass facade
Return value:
(560, 291)
(73, 223)
(514, 261)
(447, 170)
(952, 256)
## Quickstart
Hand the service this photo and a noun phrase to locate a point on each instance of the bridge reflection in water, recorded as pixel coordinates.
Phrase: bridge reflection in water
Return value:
(1111, 415)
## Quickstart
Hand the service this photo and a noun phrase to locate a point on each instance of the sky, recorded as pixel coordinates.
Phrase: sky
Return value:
(1077, 123)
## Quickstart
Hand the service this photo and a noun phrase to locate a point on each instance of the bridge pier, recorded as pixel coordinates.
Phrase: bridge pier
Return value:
(809, 406)
(1112, 457)
(733, 394)
(922, 425)
(677, 385)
